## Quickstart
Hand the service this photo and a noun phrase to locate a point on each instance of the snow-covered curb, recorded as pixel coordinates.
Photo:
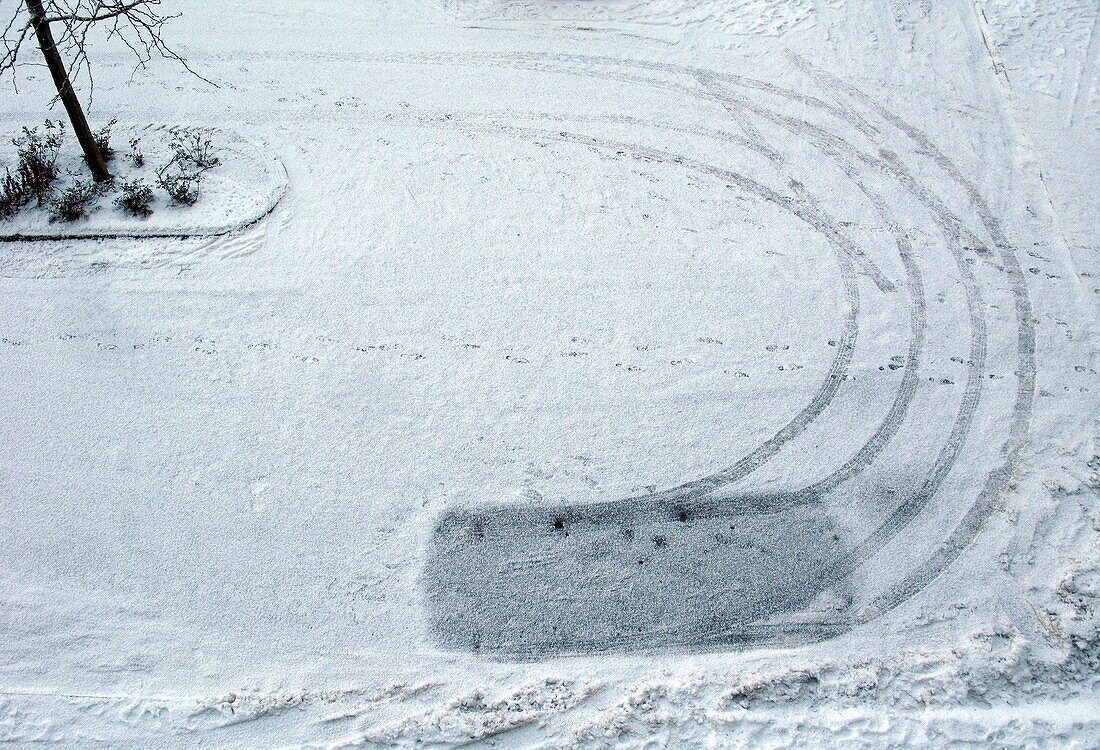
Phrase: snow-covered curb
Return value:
(245, 187)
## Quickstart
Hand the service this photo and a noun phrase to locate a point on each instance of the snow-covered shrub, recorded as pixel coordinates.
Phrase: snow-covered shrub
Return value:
(135, 198)
(181, 188)
(12, 196)
(136, 157)
(103, 141)
(75, 202)
(192, 156)
(193, 153)
(44, 160)
(38, 170)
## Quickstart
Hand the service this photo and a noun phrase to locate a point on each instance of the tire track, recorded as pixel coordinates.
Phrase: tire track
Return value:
(836, 148)
(962, 242)
(990, 498)
(696, 490)
(890, 166)
(886, 164)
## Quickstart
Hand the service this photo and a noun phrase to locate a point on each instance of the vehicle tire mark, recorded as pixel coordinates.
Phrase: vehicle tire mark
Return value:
(959, 238)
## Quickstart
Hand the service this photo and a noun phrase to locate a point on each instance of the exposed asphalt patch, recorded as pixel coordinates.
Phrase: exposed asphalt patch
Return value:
(533, 582)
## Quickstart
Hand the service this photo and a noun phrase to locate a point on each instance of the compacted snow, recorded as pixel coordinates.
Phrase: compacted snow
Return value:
(607, 374)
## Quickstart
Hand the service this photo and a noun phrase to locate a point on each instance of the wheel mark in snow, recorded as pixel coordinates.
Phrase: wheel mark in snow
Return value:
(801, 207)
(1082, 91)
(975, 518)
(968, 528)
(834, 146)
(653, 503)
(998, 481)
(846, 253)
(697, 489)
(890, 425)
(949, 452)
(905, 512)
(964, 533)
(1025, 344)
(950, 225)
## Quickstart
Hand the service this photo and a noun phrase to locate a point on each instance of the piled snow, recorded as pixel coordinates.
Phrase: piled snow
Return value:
(546, 256)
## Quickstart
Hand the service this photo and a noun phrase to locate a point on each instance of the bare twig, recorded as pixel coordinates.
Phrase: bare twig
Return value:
(138, 24)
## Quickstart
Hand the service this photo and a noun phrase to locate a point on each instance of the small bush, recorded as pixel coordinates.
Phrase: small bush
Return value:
(135, 198)
(75, 202)
(37, 171)
(181, 188)
(12, 196)
(103, 141)
(136, 156)
(192, 156)
(191, 152)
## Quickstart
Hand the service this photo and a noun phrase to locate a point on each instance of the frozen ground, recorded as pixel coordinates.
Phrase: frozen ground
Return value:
(611, 374)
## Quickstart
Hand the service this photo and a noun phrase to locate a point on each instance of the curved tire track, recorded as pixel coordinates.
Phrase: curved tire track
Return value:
(657, 508)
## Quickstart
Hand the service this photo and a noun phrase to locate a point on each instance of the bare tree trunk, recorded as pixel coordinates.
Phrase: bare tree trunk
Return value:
(92, 155)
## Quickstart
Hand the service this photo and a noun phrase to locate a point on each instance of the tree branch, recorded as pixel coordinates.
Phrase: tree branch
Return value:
(138, 24)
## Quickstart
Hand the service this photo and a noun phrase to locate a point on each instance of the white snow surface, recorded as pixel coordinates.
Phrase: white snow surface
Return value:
(513, 268)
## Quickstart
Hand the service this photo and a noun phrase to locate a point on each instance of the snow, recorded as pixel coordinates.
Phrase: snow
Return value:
(800, 295)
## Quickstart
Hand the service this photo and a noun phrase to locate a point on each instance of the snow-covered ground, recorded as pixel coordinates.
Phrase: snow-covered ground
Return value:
(611, 373)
